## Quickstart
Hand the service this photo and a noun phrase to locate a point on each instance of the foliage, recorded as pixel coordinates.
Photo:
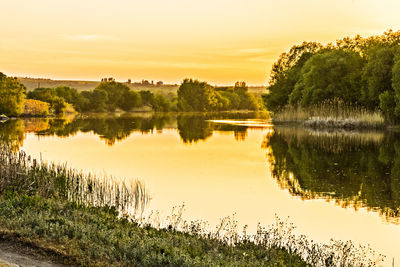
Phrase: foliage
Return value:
(328, 75)
(194, 95)
(359, 71)
(35, 108)
(48, 95)
(156, 101)
(11, 96)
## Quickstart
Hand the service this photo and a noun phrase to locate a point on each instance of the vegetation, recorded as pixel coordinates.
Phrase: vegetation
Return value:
(36, 108)
(362, 73)
(79, 222)
(11, 96)
(194, 95)
(57, 104)
(333, 114)
(106, 97)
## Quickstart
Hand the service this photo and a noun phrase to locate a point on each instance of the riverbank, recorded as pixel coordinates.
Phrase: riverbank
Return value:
(78, 235)
(87, 220)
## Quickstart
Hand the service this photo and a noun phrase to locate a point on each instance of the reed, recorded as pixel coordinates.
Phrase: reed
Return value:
(331, 114)
(21, 173)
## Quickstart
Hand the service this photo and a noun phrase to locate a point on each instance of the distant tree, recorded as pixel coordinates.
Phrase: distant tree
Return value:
(196, 96)
(69, 94)
(130, 100)
(11, 96)
(99, 101)
(49, 95)
(115, 92)
(147, 98)
(161, 103)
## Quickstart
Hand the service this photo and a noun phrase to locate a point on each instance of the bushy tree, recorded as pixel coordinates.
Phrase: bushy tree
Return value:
(130, 99)
(331, 74)
(194, 95)
(115, 93)
(286, 71)
(11, 96)
(377, 75)
(57, 104)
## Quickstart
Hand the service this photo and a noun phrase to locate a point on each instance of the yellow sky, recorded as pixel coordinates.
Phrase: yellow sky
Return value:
(220, 41)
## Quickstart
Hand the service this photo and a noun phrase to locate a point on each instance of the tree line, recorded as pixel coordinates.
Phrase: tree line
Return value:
(357, 71)
(194, 95)
(110, 96)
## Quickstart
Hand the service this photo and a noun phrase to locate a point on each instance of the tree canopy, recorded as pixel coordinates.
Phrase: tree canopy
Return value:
(11, 96)
(358, 71)
(194, 95)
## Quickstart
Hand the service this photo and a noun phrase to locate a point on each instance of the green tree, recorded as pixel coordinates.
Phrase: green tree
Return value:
(387, 104)
(377, 75)
(115, 93)
(11, 96)
(57, 104)
(196, 96)
(331, 74)
(286, 71)
(130, 100)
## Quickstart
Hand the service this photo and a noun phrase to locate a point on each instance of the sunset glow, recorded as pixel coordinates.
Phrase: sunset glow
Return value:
(218, 41)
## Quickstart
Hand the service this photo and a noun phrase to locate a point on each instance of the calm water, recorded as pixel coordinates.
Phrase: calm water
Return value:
(342, 185)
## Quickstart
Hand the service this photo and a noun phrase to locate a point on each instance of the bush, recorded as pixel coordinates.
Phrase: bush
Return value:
(35, 108)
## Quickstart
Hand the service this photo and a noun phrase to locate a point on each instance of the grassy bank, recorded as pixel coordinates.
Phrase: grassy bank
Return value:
(81, 219)
(97, 236)
(330, 114)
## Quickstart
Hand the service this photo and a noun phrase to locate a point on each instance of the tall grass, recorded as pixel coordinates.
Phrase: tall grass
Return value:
(278, 235)
(21, 173)
(331, 114)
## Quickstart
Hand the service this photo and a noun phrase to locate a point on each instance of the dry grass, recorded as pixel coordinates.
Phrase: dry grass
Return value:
(35, 108)
(331, 114)
(21, 173)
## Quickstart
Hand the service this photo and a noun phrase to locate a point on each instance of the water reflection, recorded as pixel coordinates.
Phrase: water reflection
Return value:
(351, 169)
(191, 128)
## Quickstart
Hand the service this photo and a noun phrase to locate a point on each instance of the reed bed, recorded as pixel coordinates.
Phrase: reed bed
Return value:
(21, 173)
(330, 114)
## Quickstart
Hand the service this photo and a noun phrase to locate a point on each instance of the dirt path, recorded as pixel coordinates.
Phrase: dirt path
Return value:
(11, 255)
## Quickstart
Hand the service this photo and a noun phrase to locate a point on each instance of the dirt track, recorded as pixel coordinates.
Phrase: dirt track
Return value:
(11, 255)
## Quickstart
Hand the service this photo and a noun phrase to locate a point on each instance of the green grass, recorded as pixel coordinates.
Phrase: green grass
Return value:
(82, 219)
(97, 236)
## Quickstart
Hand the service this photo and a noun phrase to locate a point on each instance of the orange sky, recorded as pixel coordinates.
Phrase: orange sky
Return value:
(220, 41)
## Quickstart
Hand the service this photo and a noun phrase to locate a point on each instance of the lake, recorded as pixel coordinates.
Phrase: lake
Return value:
(330, 184)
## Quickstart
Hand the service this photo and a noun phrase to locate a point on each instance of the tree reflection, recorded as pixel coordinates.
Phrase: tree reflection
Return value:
(353, 170)
(12, 133)
(194, 128)
(191, 127)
